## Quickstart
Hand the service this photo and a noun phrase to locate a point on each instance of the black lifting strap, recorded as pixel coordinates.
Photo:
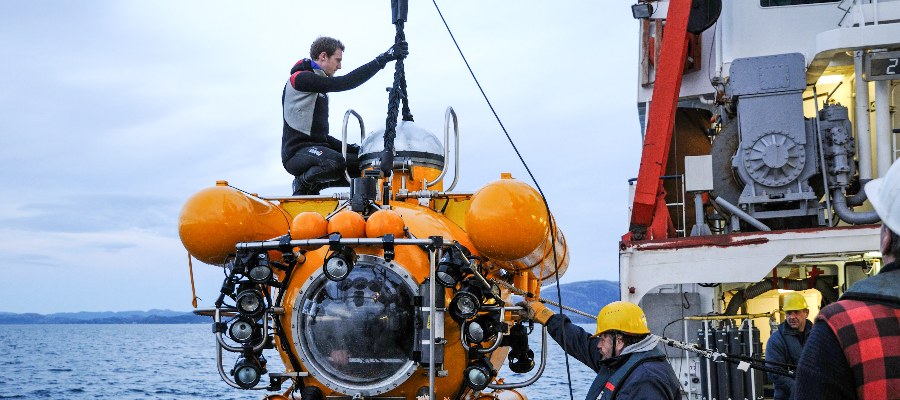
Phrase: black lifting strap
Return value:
(398, 92)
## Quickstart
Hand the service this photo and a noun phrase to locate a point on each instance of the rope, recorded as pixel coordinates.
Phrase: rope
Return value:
(398, 94)
(523, 293)
(193, 290)
(734, 359)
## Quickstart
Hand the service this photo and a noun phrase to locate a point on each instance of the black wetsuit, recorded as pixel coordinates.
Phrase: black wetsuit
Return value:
(314, 158)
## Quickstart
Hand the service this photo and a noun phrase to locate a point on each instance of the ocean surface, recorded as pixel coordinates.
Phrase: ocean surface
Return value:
(176, 362)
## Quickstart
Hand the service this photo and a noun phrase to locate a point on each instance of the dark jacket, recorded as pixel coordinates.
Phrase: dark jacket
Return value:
(651, 380)
(304, 79)
(824, 371)
(785, 346)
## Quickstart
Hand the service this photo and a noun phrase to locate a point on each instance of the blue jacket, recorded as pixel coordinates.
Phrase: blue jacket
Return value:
(652, 379)
(785, 346)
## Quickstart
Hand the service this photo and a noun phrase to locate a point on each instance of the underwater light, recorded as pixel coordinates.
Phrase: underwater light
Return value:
(247, 371)
(478, 374)
(241, 330)
(482, 329)
(261, 272)
(339, 264)
(250, 303)
(466, 303)
(451, 267)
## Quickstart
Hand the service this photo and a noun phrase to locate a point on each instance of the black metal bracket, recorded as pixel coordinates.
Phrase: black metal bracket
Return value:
(399, 10)
(334, 242)
(388, 243)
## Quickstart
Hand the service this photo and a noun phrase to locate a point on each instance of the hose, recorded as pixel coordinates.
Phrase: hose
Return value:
(824, 286)
(859, 198)
(849, 216)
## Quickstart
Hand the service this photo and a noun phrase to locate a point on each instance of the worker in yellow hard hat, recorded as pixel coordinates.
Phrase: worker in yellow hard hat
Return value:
(786, 343)
(623, 352)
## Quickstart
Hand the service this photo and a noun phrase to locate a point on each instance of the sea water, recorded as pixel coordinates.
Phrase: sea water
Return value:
(177, 362)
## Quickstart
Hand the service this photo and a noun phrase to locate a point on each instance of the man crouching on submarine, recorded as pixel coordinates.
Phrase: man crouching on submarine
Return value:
(623, 353)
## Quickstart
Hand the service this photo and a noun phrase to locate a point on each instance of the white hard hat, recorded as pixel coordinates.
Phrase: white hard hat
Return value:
(884, 193)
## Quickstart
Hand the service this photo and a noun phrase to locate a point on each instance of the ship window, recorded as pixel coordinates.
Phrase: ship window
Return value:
(360, 330)
(776, 3)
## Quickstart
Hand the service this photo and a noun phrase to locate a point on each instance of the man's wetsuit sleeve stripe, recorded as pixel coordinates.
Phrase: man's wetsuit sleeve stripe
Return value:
(311, 82)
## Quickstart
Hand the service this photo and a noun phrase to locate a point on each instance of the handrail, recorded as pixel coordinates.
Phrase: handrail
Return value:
(362, 131)
(537, 375)
(450, 112)
(495, 346)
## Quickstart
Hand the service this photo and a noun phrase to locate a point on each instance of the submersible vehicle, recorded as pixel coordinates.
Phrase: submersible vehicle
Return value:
(397, 289)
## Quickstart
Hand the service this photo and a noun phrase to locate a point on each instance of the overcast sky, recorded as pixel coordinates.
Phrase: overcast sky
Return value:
(114, 113)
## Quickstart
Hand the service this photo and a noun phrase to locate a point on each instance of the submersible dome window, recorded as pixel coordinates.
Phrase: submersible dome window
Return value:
(357, 335)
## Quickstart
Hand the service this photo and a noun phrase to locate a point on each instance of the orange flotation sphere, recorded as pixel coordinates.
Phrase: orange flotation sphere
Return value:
(232, 216)
(349, 224)
(507, 219)
(383, 222)
(309, 225)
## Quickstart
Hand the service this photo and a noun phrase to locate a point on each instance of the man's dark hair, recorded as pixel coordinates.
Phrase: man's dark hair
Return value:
(895, 244)
(629, 339)
(324, 44)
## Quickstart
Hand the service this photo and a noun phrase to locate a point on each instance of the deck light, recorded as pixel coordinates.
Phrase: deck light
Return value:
(478, 374)
(250, 303)
(642, 10)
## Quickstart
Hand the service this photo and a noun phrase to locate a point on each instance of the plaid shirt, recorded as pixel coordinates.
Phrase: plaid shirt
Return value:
(869, 334)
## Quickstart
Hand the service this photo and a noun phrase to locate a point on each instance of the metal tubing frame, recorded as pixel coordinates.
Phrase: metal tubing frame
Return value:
(258, 347)
(220, 344)
(709, 392)
(433, 255)
(447, 116)
(828, 210)
(495, 346)
(741, 214)
(362, 130)
(275, 245)
(537, 375)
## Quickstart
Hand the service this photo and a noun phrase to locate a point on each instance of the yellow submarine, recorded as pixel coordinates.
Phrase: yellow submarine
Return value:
(340, 284)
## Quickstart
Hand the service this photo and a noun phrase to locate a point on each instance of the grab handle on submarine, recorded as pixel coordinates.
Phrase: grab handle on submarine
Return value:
(362, 136)
(537, 374)
(447, 115)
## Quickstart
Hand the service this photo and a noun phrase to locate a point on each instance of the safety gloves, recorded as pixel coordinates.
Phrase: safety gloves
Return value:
(396, 52)
(534, 311)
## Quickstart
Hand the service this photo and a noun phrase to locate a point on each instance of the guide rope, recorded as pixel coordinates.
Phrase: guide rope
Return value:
(523, 293)
(398, 94)
(742, 361)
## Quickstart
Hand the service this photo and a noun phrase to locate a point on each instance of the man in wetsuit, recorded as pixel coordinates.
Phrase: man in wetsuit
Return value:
(623, 353)
(786, 344)
(307, 151)
(853, 351)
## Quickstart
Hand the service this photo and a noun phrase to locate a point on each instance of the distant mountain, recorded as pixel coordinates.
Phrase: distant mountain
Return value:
(106, 317)
(586, 296)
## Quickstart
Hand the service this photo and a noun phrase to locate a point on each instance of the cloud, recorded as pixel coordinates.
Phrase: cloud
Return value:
(114, 113)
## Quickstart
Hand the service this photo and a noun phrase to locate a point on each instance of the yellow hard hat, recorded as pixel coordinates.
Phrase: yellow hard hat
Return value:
(622, 316)
(794, 301)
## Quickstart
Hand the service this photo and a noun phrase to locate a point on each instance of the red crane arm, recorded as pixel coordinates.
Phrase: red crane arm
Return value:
(649, 216)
